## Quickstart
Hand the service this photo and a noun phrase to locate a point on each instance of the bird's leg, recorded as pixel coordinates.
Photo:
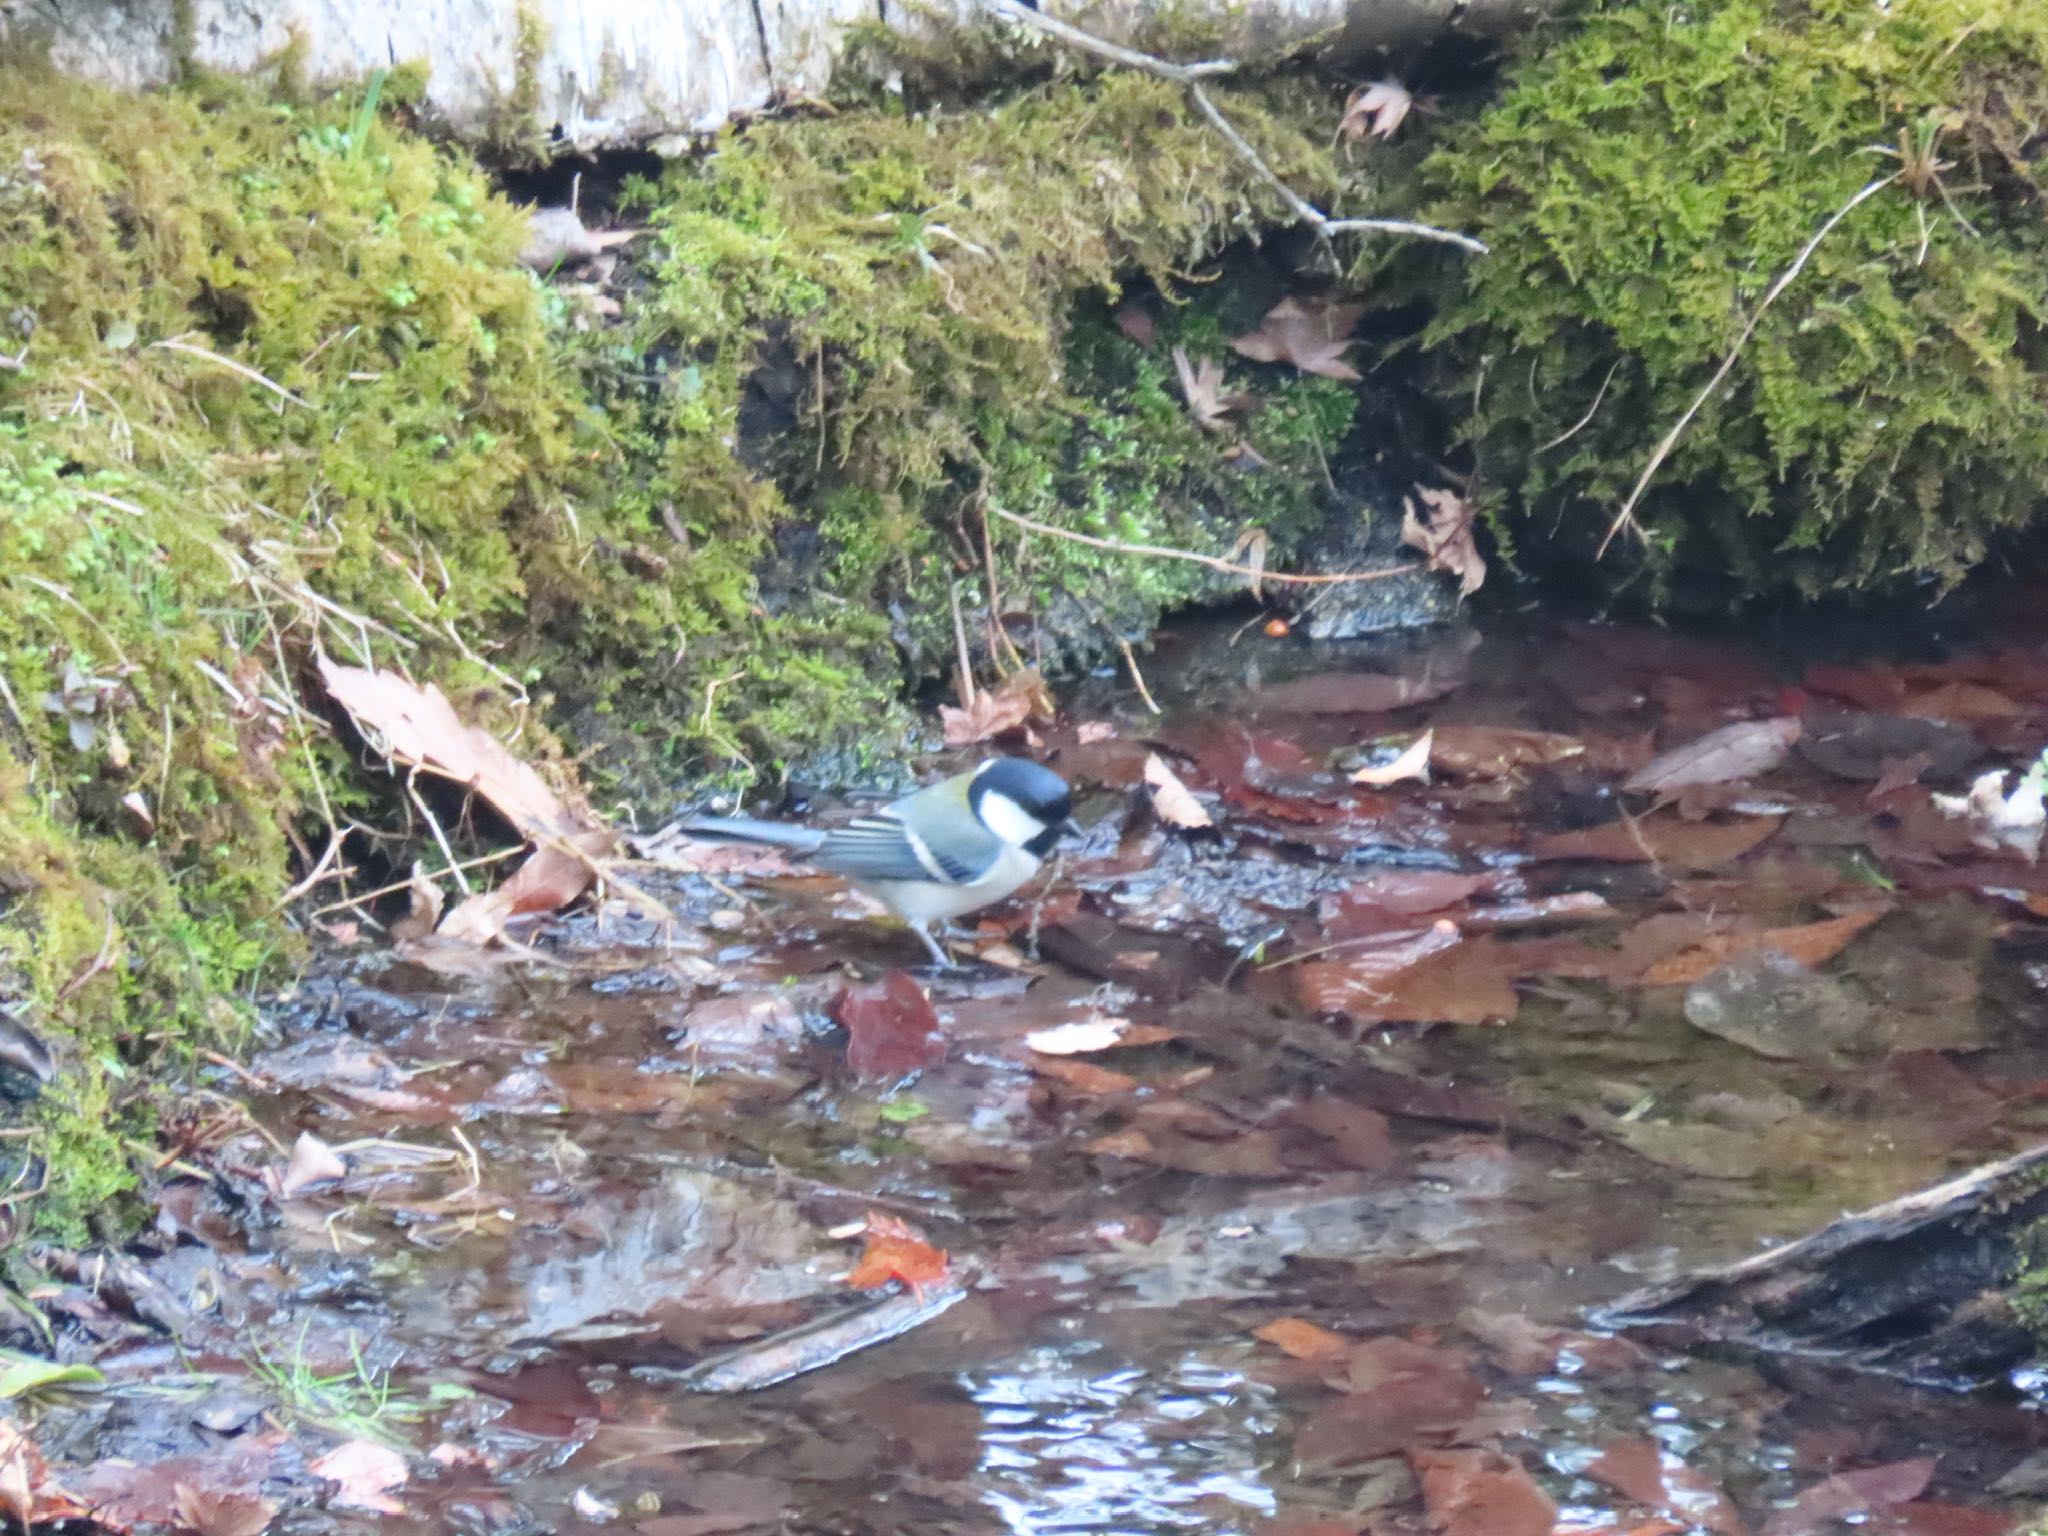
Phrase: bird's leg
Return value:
(944, 961)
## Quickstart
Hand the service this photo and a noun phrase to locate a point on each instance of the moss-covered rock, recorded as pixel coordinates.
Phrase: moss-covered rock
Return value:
(1644, 178)
(855, 334)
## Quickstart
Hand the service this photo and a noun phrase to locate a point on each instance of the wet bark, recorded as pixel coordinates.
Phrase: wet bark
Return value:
(1944, 1287)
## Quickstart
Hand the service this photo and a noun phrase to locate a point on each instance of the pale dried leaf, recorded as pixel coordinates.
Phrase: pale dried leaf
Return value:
(1413, 763)
(1202, 386)
(554, 876)
(1173, 802)
(1079, 1037)
(222, 1512)
(1022, 696)
(417, 725)
(1378, 110)
(1445, 536)
(313, 1162)
(138, 807)
(1731, 755)
(427, 899)
(364, 1473)
(1311, 335)
(558, 237)
(1250, 551)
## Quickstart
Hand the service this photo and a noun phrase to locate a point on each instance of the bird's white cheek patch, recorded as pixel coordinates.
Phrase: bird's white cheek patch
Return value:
(1009, 820)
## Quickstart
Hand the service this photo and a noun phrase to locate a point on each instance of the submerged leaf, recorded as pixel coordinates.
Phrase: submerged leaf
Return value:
(890, 1025)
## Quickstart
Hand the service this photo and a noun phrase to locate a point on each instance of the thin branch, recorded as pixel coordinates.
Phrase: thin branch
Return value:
(1161, 552)
(1190, 77)
(1625, 518)
(206, 355)
(1580, 425)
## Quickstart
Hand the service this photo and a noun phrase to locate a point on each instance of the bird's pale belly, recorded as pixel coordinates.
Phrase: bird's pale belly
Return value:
(922, 901)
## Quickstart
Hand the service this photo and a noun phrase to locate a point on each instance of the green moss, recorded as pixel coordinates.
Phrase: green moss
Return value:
(284, 390)
(281, 389)
(866, 325)
(1644, 178)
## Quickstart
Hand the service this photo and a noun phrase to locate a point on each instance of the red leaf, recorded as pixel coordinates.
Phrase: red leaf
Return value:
(891, 1026)
(1642, 1471)
(1481, 1493)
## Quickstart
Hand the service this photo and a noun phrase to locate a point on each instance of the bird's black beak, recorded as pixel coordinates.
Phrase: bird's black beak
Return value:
(1072, 828)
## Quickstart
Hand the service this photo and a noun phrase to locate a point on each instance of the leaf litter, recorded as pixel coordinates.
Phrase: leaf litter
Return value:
(1371, 1087)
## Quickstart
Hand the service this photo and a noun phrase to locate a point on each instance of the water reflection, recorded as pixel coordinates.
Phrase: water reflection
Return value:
(1070, 1446)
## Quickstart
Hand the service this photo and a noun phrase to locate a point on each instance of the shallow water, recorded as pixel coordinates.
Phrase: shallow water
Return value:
(572, 1178)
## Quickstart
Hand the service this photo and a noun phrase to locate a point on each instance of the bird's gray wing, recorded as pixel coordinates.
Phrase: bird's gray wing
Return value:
(885, 848)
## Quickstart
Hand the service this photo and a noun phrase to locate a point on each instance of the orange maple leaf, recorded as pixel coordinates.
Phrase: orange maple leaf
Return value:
(897, 1251)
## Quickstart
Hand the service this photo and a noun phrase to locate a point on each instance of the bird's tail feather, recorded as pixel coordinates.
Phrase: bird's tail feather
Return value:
(746, 829)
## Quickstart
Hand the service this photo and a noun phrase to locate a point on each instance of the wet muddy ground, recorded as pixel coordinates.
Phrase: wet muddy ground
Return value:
(1374, 1090)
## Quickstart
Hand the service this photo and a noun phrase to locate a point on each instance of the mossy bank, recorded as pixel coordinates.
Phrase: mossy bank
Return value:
(1656, 182)
(278, 387)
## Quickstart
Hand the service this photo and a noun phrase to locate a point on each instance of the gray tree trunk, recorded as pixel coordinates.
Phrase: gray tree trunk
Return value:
(593, 74)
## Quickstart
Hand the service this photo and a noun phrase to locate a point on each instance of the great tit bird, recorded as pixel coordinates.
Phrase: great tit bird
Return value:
(940, 853)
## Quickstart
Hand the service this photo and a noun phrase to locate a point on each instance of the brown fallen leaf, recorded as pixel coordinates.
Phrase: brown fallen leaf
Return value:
(1302, 1339)
(1020, 697)
(1172, 801)
(364, 1473)
(1201, 384)
(1412, 763)
(1659, 839)
(28, 1491)
(1481, 1493)
(222, 1512)
(1377, 110)
(1733, 754)
(549, 880)
(313, 1162)
(1643, 1471)
(1494, 752)
(1860, 1493)
(1445, 536)
(1469, 982)
(417, 725)
(1811, 944)
(1355, 693)
(1308, 333)
(1137, 322)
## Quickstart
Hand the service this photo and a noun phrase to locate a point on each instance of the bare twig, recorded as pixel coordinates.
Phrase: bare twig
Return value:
(1137, 677)
(1625, 518)
(1592, 410)
(1228, 567)
(207, 355)
(1190, 77)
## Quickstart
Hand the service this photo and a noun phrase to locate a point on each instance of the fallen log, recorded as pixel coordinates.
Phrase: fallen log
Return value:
(1946, 1287)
